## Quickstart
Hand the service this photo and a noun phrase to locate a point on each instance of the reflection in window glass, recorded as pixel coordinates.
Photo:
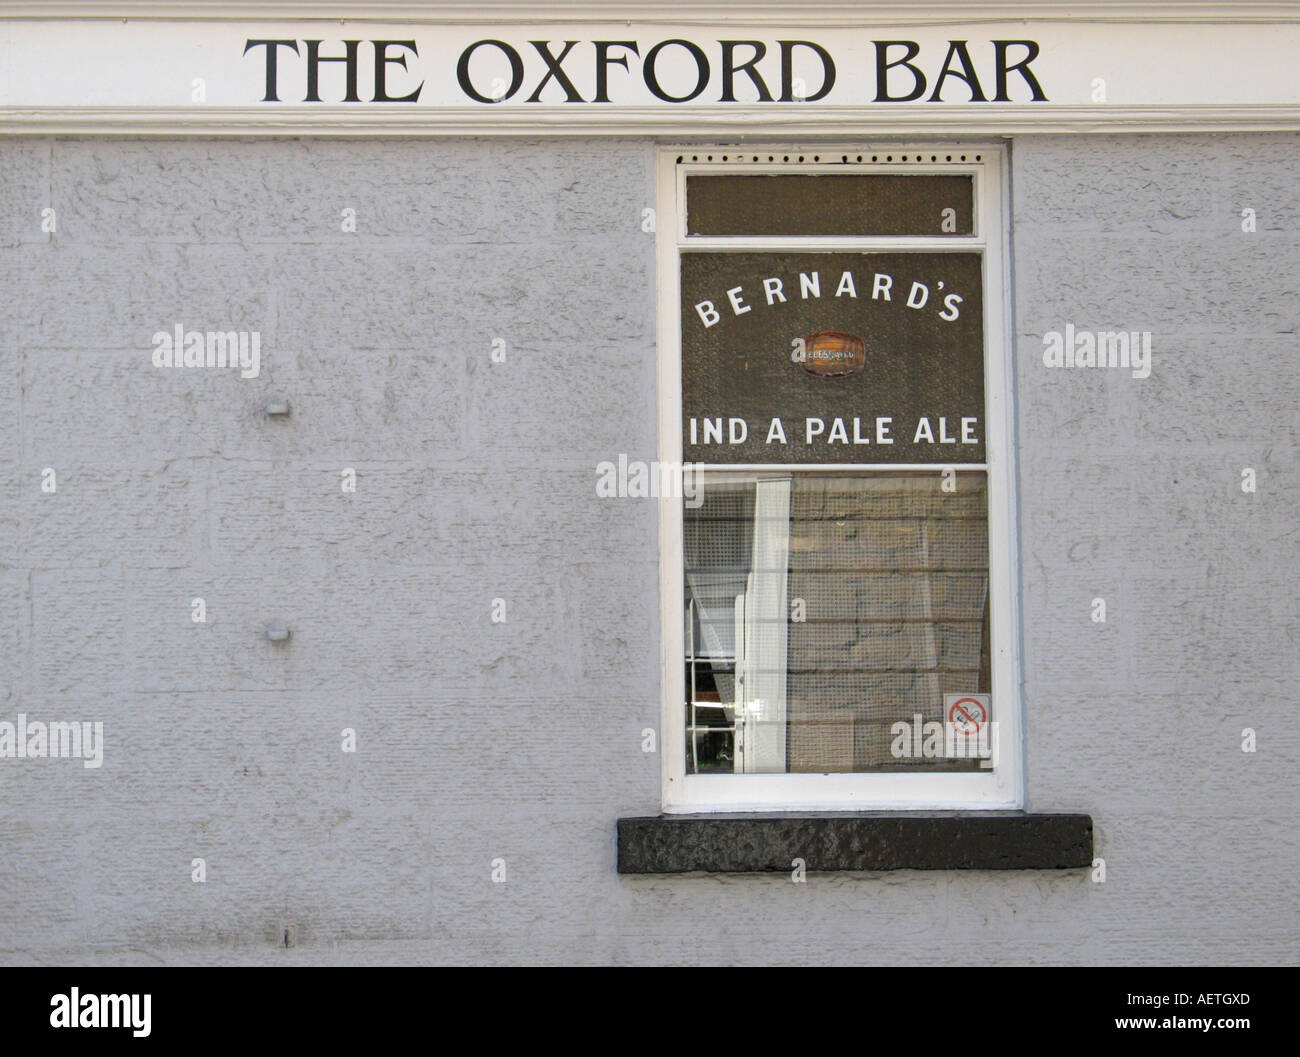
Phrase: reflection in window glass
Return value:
(826, 612)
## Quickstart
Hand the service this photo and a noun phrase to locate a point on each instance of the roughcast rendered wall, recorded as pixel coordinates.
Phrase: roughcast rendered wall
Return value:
(520, 740)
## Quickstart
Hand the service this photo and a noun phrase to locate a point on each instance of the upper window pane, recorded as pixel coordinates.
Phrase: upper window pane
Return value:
(830, 204)
(850, 357)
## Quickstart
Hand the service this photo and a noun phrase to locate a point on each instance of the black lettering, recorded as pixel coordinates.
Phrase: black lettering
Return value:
(883, 67)
(272, 63)
(381, 64)
(314, 59)
(603, 60)
(1022, 67)
(516, 71)
(730, 69)
(572, 95)
(701, 65)
(787, 70)
(966, 73)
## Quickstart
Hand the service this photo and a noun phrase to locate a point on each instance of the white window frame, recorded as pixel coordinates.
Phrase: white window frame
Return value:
(1002, 787)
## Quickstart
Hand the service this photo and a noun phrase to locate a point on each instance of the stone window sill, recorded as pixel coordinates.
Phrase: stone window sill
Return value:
(761, 843)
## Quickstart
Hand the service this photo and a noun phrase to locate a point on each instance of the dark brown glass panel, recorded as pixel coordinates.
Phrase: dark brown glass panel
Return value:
(809, 357)
(829, 204)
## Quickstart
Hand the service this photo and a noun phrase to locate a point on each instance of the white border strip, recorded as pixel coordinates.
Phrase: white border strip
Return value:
(752, 12)
(769, 120)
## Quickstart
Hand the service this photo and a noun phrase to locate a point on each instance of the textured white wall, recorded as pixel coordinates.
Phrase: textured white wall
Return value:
(1131, 491)
(476, 481)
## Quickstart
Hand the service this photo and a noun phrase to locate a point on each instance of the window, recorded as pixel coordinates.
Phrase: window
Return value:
(838, 589)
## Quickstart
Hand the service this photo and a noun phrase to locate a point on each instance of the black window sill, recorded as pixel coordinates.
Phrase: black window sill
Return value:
(757, 843)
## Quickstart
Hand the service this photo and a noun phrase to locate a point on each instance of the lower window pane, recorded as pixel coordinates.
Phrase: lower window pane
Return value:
(837, 622)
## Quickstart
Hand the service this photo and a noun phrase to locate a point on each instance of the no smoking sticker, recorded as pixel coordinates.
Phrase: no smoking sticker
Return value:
(967, 713)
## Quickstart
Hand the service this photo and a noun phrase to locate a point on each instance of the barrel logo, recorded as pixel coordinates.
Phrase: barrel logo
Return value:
(834, 354)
